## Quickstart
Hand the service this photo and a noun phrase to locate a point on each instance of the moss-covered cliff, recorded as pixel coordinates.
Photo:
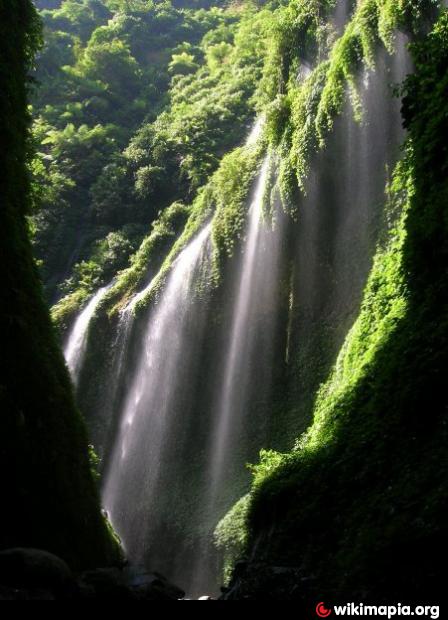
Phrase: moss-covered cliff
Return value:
(357, 510)
(49, 499)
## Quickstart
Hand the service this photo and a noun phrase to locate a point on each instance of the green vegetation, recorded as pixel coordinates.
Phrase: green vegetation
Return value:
(224, 197)
(49, 499)
(101, 191)
(359, 503)
(137, 103)
(138, 138)
(156, 245)
(231, 535)
(302, 101)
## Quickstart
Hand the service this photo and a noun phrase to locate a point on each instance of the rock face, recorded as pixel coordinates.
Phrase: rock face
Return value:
(285, 583)
(32, 574)
(131, 583)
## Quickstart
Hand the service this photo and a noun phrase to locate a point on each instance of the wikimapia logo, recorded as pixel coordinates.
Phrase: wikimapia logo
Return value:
(387, 611)
(322, 611)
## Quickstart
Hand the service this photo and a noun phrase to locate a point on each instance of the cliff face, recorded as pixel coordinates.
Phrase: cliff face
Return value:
(294, 293)
(327, 313)
(49, 499)
(355, 512)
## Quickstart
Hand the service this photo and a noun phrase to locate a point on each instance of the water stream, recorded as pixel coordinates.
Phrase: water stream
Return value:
(148, 412)
(75, 349)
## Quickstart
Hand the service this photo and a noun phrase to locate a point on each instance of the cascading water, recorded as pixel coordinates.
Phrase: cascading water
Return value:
(256, 132)
(341, 222)
(75, 348)
(160, 409)
(194, 394)
(235, 380)
(147, 419)
(341, 14)
(240, 422)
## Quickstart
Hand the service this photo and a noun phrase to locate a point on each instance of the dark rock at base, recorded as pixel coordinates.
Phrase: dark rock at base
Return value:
(240, 569)
(257, 581)
(35, 570)
(32, 574)
(151, 586)
(13, 594)
(131, 583)
(104, 583)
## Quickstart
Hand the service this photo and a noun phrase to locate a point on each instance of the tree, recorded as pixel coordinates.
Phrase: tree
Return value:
(112, 64)
(182, 64)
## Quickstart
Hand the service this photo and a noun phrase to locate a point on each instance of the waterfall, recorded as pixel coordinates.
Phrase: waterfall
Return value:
(256, 132)
(162, 415)
(238, 356)
(342, 220)
(240, 418)
(191, 395)
(341, 15)
(76, 346)
(148, 418)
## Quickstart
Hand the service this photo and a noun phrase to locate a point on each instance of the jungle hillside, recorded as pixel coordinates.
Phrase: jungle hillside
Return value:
(224, 249)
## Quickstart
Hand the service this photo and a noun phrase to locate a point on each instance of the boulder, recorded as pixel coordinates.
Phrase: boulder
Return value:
(32, 574)
(130, 583)
(34, 569)
(151, 586)
(104, 583)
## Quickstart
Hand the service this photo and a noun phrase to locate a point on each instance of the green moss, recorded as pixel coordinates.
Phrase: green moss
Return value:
(231, 188)
(149, 256)
(231, 536)
(64, 312)
(302, 108)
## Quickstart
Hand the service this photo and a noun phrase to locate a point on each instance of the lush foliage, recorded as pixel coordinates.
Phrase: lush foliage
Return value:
(100, 196)
(309, 74)
(231, 535)
(224, 200)
(137, 104)
(140, 145)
